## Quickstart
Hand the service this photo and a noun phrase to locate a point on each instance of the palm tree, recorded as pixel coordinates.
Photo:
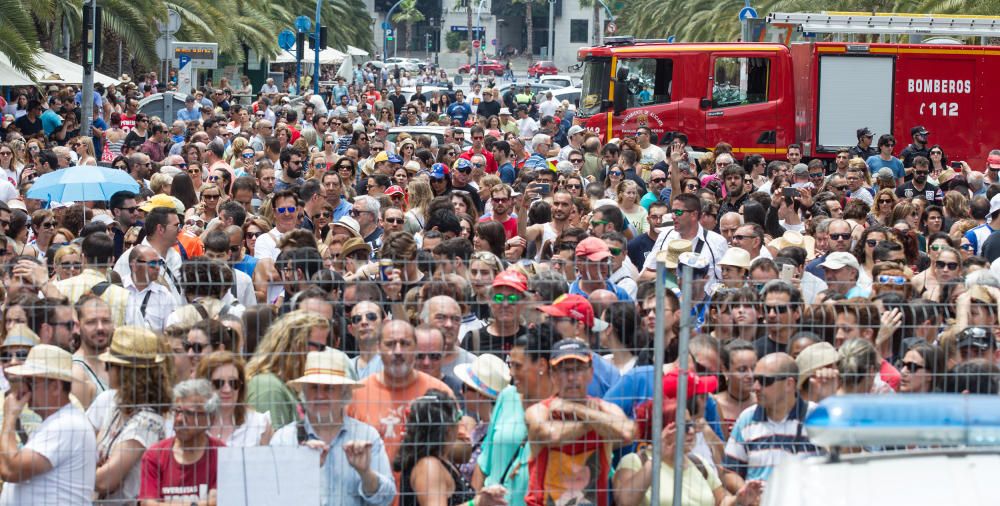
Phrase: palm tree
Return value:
(407, 15)
(18, 37)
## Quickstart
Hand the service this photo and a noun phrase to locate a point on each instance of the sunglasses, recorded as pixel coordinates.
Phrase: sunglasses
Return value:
(912, 367)
(767, 380)
(247, 156)
(664, 180)
(433, 357)
(871, 243)
(574, 186)
(197, 348)
(576, 161)
(950, 266)
(71, 266)
(47, 225)
(356, 319)
(841, 188)
(254, 235)
(395, 221)
(739, 237)
(680, 212)
(214, 196)
(776, 309)
(286, 210)
(464, 170)
(615, 173)
(234, 384)
(20, 355)
(597, 223)
(155, 264)
(840, 237)
(192, 223)
(884, 201)
(816, 175)
(938, 247)
(892, 280)
(615, 251)
(500, 298)
(968, 247)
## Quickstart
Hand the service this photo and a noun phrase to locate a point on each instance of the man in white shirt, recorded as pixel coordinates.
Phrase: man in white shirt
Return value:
(575, 138)
(286, 217)
(58, 463)
(149, 302)
(527, 126)
(217, 248)
(548, 106)
(686, 209)
(161, 227)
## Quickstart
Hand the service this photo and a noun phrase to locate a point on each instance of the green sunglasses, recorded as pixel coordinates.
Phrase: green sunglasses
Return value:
(513, 298)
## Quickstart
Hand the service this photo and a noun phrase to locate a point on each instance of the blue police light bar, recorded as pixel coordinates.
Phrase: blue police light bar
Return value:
(909, 419)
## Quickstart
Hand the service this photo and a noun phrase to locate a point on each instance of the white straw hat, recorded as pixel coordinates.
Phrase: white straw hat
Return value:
(487, 374)
(45, 361)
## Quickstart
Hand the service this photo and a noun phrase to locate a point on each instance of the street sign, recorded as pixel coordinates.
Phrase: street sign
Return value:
(173, 22)
(182, 61)
(476, 43)
(612, 28)
(386, 25)
(204, 55)
(161, 46)
(748, 13)
(303, 24)
(286, 39)
(493, 42)
(671, 39)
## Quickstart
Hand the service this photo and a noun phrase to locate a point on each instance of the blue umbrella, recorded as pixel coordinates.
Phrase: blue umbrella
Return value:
(86, 183)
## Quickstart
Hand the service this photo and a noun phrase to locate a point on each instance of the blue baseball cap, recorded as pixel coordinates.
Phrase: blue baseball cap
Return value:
(462, 164)
(439, 171)
(395, 159)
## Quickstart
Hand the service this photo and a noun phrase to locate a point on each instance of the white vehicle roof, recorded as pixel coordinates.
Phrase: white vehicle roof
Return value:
(558, 79)
(908, 477)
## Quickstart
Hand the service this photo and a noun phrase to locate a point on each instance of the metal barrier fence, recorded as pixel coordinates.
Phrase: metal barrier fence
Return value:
(271, 368)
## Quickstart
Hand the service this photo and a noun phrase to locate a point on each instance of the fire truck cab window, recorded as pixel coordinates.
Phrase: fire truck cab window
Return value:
(740, 81)
(648, 80)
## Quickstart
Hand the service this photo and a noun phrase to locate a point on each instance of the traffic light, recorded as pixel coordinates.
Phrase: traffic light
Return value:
(322, 37)
(300, 44)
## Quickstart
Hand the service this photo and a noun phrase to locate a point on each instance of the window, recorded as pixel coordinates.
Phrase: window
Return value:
(578, 30)
(740, 81)
(648, 80)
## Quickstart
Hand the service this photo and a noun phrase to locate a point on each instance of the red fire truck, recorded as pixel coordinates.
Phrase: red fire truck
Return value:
(762, 96)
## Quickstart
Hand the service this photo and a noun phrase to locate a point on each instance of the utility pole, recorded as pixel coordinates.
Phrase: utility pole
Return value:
(87, 93)
(552, 30)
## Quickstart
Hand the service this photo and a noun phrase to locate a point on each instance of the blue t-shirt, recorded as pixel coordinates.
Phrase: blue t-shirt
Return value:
(620, 292)
(636, 387)
(606, 376)
(51, 121)
(507, 173)
(876, 162)
(459, 111)
(247, 265)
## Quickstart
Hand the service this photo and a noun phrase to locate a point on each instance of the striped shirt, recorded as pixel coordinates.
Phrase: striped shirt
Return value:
(757, 444)
(76, 287)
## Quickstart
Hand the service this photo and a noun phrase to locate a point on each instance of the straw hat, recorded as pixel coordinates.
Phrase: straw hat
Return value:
(132, 347)
(793, 238)
(20, 335)
(45, 361)
(813, 357)
(736, 257)
(671, 258)
(487, 374)
(327, 367)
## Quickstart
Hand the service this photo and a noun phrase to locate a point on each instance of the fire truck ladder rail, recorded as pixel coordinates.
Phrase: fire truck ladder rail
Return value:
(888, 24)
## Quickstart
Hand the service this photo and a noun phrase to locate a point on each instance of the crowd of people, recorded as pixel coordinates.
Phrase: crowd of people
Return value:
(453, 323)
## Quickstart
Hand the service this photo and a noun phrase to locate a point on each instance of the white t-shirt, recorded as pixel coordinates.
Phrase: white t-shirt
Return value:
(266, 246)
(548, 107)
(68, 442)
(652, 154)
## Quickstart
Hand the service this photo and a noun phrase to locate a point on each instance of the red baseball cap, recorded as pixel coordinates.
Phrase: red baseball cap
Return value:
(593, 249)
(993, 161)
(576, 307)
(511, 279)
(695, 384)
(394, 189)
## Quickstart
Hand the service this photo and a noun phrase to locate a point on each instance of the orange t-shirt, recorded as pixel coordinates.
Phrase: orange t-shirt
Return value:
(385, 409)
(193, 246)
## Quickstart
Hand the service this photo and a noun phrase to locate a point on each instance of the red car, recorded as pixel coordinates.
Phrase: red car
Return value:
(541, 68)
(486, 67)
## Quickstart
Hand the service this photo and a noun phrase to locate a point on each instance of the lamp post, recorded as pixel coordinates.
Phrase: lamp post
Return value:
(386, 26)
(319, 5)
(552, 30)
(475, 30)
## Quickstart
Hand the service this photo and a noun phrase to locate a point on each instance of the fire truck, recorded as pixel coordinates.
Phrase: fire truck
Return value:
(789, 87)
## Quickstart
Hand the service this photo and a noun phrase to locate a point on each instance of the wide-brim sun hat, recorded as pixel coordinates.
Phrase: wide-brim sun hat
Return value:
(133, 346)
(487, 374)
(45, 361)
(327, 367)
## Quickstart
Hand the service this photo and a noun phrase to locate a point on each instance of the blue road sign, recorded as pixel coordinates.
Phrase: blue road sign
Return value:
(303, 24)
(386, 25)
(182, 61)
(671, 39)
(748, 13)
(286, 39)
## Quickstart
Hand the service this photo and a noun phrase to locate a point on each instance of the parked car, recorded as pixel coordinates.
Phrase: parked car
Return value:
(407, 61)
(561, 81)
(542, 67)
(485, 67)
(403, 65)
(436, 132)
(570, 94)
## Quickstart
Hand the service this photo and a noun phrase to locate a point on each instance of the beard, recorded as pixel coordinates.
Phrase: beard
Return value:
(293, 174)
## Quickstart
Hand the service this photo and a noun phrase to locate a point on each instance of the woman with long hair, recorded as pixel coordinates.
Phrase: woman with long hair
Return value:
(738, 358)
(252, 229)
(614, 177)
(208, 198)
(922, 369)
(447, 154)
(182, 188)
(427, 474)
(234, 154)
(858, 366)
(939, 162)
(623, 339)
(348, 175)
(489, 236)
(67, 262)
(628, 201)
(420, 195)
(280, 358)
(114, 138)
(944, 275)
(237, 424)
(865, 246)
(130, 415)
(933, 221)
(885, 200)
(463, 203)
(9, 163)
(956, 206)
(83, 147)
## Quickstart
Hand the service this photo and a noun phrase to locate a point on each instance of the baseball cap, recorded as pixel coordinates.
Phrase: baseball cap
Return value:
(439, 171)
(161, 200)
(993, 161)
(976, 337)
(839, 260)
(696, 385)
(919, 130)
(801, 169)
(394, 190)
(576, 307)
(189, 98)
(575, 129)
(593, 249)
(994, 205)
(463, 164)
(570, 349)
(395, 159)
(864, 132)
(350, 224)
(511, 279)
(382, 156)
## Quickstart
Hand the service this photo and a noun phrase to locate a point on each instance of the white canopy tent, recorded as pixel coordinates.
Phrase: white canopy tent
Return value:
(54, 70)
(353, 51)
(328, 56)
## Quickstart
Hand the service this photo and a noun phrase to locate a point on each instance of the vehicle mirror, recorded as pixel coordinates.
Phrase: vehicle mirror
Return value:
(705, 103)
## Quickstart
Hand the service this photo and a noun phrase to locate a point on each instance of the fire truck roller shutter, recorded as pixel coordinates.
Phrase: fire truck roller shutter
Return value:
(853, 91)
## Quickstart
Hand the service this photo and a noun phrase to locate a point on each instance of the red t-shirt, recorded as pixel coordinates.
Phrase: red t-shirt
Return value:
(572, 472)
(128, 123)
(509, 226)
(166, 480)
(491, 163)
(890, 374)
